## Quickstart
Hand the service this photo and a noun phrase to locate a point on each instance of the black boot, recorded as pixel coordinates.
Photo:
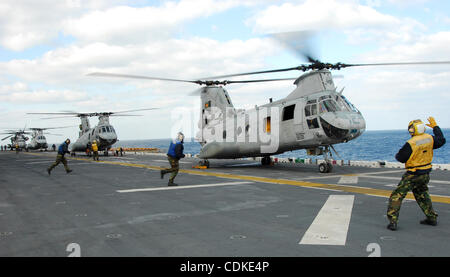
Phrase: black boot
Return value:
(162, 173)
(68, 171)
(49, 171)
(428, 221)
(172, 184)
(392, 226)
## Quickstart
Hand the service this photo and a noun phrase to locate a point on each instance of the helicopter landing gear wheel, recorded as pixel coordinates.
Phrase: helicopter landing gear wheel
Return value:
(326, 167)
(266, 160)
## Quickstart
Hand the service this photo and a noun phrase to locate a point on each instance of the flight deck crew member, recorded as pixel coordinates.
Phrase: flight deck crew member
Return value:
(174, 155)
(417, 154)
(62, 150)
(95, 150)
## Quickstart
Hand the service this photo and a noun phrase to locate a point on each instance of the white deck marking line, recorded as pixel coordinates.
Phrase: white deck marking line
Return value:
(185, 187)
(41, 162)
(382, 172)
(330, 226)
(348, 180)
(399, 178)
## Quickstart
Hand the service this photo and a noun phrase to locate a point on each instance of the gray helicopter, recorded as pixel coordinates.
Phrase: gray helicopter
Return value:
(38, 140)
(17, 138)
(104, 133)
(314, 116)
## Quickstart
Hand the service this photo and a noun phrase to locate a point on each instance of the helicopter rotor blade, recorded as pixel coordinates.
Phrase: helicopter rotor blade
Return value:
(116, 115)
(401, 63)
(7, 137)
(115, 75)
(137, 110)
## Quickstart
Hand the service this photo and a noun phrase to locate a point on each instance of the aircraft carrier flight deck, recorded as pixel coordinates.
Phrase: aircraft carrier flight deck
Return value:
(120, 206)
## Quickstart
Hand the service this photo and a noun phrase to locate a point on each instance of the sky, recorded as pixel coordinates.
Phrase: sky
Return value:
(48, 47)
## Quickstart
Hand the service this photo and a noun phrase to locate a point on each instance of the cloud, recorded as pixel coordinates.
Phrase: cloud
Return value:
(130, 25)
(19, 93)
(319, 14)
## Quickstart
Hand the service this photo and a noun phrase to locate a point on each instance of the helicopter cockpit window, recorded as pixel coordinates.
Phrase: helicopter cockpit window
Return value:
(328, 106)
(310, 110)
(349, 105)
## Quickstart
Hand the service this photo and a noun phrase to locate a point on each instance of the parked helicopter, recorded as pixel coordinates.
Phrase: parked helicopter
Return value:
(18, 139)
(38, 140)
(314, 116)
(104, 133)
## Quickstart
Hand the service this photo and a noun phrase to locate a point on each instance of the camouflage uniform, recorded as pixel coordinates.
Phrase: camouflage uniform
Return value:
(174, 164)
(59, 159)
(418, 185)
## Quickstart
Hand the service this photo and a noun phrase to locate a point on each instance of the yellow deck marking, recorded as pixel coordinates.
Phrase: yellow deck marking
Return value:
(343, 188)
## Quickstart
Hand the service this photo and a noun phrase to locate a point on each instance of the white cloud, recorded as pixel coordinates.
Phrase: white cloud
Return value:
(319, 14)
(28, 23)
(127, 25)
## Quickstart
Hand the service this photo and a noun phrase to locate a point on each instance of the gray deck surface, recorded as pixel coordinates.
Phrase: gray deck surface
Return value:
(231, 215)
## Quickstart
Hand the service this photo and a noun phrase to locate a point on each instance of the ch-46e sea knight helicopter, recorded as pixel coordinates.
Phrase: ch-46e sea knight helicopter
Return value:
(38, 139)
(314, 116)
(104, 133)
(17, 138)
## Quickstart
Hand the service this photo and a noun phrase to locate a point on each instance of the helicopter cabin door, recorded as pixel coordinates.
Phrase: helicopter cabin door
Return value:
(298, 120)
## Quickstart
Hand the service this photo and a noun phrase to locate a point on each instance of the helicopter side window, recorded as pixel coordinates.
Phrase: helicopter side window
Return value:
(313, 123)
(310, 110)
(288, 112)
(307, 110)
(313, 109)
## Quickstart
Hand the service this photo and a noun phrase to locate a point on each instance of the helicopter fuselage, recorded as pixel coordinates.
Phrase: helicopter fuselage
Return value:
(314, 115)
(104, 135)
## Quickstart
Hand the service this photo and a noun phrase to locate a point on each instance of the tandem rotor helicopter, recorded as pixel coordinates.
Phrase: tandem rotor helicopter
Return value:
(17, 138)
(38, 140)
(314, 116)
(104, 133)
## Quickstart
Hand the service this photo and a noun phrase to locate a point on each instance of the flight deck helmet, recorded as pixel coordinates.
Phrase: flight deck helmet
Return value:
(416, 127)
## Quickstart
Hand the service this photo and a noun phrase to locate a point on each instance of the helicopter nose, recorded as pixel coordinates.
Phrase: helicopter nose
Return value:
(342, 126)
(109, 138)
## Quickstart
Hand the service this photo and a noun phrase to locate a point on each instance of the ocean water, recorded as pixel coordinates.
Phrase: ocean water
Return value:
(370, 146)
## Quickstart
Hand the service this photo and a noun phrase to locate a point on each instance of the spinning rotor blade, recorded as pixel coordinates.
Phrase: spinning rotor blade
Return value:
(298, 42)
(337, 66)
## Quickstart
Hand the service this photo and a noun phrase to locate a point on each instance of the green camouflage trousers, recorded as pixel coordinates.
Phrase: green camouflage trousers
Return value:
(418, 185)
(59, 159)
(174, 164)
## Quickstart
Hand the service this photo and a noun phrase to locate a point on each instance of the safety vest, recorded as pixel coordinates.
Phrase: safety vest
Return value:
(422, 153)
(94, 147)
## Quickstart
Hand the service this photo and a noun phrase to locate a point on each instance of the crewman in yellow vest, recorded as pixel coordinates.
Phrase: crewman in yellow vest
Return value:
(417, 155)
(95, 150)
